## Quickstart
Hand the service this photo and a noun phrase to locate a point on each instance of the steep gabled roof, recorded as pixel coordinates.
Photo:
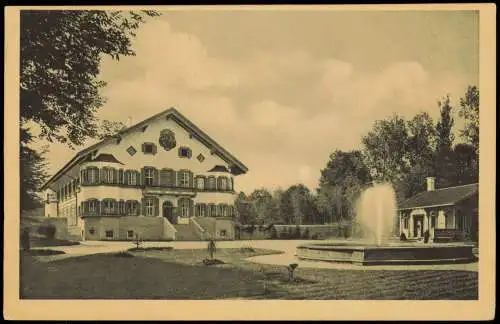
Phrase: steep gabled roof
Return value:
(440, 197)
(237, 167)
(218, 168)
(103, 157)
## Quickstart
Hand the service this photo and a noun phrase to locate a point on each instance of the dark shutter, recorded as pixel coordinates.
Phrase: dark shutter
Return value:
(137, 207)
(143, 147)
(191, 180)
(191, 208)
(115, 176)
(84, 178)
(143, 176)
(96, 173)
(189, 153)
(173, 178)
(143, 204)
(156, 177)
(156, 206)
(98, 207)
(154, 148)
(85, 207)
(219, 183)
(232, 183)
(138, 179)
(104, 179)
(120, 176)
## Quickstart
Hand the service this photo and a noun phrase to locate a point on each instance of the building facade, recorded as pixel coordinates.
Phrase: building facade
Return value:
(452, 210)
(161, 179)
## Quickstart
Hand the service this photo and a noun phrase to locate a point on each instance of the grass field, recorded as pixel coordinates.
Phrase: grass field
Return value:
(180, 274)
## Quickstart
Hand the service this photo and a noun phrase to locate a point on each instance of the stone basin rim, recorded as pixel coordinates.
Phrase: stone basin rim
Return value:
(361, 247)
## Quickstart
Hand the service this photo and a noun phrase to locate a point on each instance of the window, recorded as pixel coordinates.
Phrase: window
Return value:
(131, 178)
(109, 234)
(213, 210)
(184, 207)
(200, 183)
(211, 183)
(109, 206)
(148, 176)
(130, 234)
(200, 210)
(149, 148)
(109, 174)
(132, 208)
(167, 178)
(405, 222)
(149, 206)
(185, 152)
(200, 157)
(184, 179)
(93, 175)
(92, 206)
(223, 183)
(223, 233)
(131, 150)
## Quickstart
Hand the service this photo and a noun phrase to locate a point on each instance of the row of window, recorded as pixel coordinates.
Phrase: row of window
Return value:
(150, 207)
(66, 191)
(70, 213)
(153, 177)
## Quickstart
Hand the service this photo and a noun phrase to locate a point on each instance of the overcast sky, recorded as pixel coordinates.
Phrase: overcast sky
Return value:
(281, 90)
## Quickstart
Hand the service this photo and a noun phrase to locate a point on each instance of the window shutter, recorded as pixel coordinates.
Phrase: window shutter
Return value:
(173, 178)
(191, 207)
(115, 176)
(143, 176)
(156, 176)
(189, 153)
(85, 207)
(120, 177)
(96, 174)
(98, 207)
(103, 175)
(143, 204)
(156, 206)
(191, 180)
(219, 183)
(83, 180)
(154, 149)
(143, 147)
(137, 178)
(232, 183)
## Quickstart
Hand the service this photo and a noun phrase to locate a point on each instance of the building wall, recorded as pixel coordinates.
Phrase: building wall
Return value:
(148, 228)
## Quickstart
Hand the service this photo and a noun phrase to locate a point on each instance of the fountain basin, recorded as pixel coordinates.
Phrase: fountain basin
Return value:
(405, 253)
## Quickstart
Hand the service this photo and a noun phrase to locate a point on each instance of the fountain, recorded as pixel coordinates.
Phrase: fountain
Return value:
(376, 213)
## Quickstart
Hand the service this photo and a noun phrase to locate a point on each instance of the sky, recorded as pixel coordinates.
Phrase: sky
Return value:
(282, 90)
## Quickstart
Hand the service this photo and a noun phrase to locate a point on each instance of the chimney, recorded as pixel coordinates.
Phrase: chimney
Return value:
(129, 121)
(431, 183)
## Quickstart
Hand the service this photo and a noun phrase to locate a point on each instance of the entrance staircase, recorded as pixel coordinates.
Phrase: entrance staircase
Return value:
(185, 232)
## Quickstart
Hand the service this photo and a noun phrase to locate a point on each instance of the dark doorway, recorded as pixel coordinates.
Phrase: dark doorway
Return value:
(418, 225)
(168, 212)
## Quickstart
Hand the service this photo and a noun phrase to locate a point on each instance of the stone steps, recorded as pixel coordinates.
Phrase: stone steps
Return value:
(185, 233)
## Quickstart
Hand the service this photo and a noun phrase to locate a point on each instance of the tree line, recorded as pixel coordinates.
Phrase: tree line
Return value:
(402, 152)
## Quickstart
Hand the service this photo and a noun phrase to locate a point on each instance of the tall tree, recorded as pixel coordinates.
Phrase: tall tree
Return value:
(341, 182)
(61, 52)
(444, 156)
(466, 164)
(263, 202)
(33, 173)
(60, 56)
(469, 110)
(386, 147)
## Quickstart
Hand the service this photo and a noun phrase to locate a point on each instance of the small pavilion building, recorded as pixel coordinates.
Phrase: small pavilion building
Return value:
(450, 212)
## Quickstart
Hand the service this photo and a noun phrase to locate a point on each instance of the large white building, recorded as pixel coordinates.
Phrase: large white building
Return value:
(161, 179)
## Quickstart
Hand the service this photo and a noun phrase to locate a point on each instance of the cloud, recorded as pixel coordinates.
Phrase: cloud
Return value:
(282, 112)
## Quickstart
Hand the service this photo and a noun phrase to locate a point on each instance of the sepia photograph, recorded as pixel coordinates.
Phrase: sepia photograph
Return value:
(307, 155)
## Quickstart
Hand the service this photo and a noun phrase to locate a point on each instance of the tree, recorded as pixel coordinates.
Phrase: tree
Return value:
(469, 110)
(444, 157)
(60, 55)
(109, 128)
(466, 164)
(386, 147)
(263, 202)
(61, 52)
(341, 182)
(32, 172)
(297, 205)
(245, 209)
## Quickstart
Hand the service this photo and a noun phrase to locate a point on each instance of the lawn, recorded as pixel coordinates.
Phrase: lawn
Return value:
(180, 274)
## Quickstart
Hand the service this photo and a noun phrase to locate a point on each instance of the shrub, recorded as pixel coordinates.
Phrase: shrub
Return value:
(212, 261)
(402, 237)
(274, 233)
(153, 248)
(44, 252)
(305, 235)
(297, 235)
(284, 233)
